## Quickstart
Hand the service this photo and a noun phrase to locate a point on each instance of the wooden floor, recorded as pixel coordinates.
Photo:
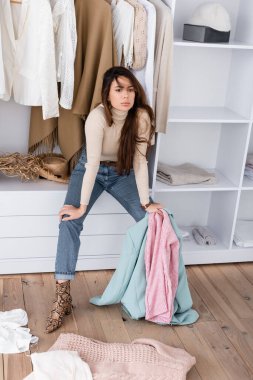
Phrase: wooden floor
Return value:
(221, 341)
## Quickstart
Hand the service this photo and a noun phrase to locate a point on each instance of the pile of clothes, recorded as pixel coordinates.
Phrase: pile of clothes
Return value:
(14, 336)
(74, 357)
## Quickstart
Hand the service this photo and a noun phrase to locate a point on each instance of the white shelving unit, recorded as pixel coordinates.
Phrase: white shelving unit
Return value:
(210, 125)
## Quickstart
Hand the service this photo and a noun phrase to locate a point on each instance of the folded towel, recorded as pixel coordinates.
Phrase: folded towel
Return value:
(203, 236)
(183, 174)
(198, 238)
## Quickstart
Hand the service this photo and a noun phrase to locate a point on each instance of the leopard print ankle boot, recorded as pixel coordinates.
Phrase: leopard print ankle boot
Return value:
(61, 306)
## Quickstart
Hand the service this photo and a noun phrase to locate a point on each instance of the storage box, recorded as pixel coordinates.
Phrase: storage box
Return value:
(199, 33)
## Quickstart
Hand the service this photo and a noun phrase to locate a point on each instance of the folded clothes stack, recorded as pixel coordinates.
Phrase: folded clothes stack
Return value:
(184, 174)
(249, 166)
(203, 236)
(243, 236)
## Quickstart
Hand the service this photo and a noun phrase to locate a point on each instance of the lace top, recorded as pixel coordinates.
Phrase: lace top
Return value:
(140, 35)
(64, 19)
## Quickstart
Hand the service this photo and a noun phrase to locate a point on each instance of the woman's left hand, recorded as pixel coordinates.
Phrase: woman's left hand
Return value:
(69, 212)
(155, 207)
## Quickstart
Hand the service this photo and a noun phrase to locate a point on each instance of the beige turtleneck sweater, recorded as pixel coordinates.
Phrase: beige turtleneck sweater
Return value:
(102, 143)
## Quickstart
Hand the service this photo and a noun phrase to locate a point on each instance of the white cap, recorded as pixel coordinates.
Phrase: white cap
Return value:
(213, 15)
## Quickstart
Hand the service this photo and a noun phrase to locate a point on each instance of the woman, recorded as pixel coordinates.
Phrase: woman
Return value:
(118, 133)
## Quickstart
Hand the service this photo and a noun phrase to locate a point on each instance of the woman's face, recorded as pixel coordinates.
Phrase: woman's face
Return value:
(122, 94)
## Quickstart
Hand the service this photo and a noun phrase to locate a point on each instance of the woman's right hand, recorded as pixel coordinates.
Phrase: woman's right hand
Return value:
(155, 207)
(72, 212)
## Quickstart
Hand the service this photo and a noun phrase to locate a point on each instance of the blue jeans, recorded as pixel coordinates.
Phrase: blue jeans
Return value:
(121, 187)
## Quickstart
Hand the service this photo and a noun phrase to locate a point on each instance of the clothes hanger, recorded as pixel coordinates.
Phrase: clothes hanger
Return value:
(16, 1)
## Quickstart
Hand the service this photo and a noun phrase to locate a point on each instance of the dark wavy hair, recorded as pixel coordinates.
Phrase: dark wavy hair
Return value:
(129, 134)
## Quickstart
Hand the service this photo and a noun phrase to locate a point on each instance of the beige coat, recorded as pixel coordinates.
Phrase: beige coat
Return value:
(94, 55)
(163, 64)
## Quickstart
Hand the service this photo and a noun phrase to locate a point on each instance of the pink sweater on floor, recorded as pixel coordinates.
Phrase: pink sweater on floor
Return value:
(161, 261)
(143, 359)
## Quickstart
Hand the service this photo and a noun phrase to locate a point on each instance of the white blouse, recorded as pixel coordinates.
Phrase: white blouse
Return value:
(64, 19)
(123, 30)
(29, 56)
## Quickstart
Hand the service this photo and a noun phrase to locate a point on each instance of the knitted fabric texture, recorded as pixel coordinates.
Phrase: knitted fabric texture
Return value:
(146, 75)
(139, 35)
(142, 359)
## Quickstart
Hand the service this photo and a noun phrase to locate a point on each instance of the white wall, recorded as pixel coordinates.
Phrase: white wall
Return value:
(14, 127)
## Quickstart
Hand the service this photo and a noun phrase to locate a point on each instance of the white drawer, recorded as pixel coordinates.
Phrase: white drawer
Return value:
(38, 265)
(45, 247)
(34, 226)
(49, 203)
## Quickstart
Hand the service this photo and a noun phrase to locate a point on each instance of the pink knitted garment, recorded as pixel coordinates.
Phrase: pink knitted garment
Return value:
(161, 262)
(143, 359)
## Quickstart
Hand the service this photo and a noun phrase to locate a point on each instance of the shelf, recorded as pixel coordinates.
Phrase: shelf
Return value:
(230, 45)
(247, 184)
(192, 246)
(205, 115)
(223, 184)
(217, 256)
(15, 184)
(194, 253)
(243, 249)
